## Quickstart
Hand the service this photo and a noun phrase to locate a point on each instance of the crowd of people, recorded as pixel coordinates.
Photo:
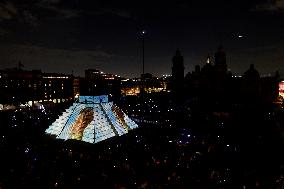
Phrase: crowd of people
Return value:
(239, 149)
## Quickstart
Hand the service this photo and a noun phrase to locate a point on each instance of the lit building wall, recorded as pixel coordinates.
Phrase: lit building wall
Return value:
(132, 87)
(29, 87)
(130, 91)
(281, 89)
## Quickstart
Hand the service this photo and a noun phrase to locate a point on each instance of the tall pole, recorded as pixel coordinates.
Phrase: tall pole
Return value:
(143, 52)
(142, 76)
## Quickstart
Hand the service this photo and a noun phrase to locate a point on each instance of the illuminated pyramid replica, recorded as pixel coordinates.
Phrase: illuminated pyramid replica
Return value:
(91, 119)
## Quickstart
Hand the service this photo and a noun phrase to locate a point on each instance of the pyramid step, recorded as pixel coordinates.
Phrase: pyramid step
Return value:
(105, 123)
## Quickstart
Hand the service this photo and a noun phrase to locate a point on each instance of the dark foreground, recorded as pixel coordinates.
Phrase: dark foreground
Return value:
(242, 149)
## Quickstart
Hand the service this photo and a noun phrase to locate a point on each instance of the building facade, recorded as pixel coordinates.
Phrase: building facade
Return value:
(97, 82)
(29, 87)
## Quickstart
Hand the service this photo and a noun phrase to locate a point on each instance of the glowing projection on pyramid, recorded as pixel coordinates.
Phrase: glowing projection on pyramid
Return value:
(91, 119)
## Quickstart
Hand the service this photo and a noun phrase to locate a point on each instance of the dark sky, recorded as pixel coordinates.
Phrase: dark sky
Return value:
(66, 35)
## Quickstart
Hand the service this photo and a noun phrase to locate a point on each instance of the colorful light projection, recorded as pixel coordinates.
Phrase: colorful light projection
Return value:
(91, 119)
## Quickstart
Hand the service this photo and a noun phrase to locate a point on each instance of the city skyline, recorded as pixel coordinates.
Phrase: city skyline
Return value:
(61, 36)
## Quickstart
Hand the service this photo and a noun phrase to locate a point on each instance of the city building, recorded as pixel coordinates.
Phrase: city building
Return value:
(281, 89)
(97, 82)
(213, 84)
(132, 87)
(177, 83)
(21, 88)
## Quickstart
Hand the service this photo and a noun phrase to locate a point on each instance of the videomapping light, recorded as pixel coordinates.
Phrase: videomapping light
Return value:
(91, 119)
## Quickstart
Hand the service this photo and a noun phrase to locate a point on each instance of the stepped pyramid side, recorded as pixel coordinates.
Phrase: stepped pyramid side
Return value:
(91, 119)
(58, 125)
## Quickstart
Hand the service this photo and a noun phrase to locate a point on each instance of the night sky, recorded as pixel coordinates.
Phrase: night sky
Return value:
(66, 35)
